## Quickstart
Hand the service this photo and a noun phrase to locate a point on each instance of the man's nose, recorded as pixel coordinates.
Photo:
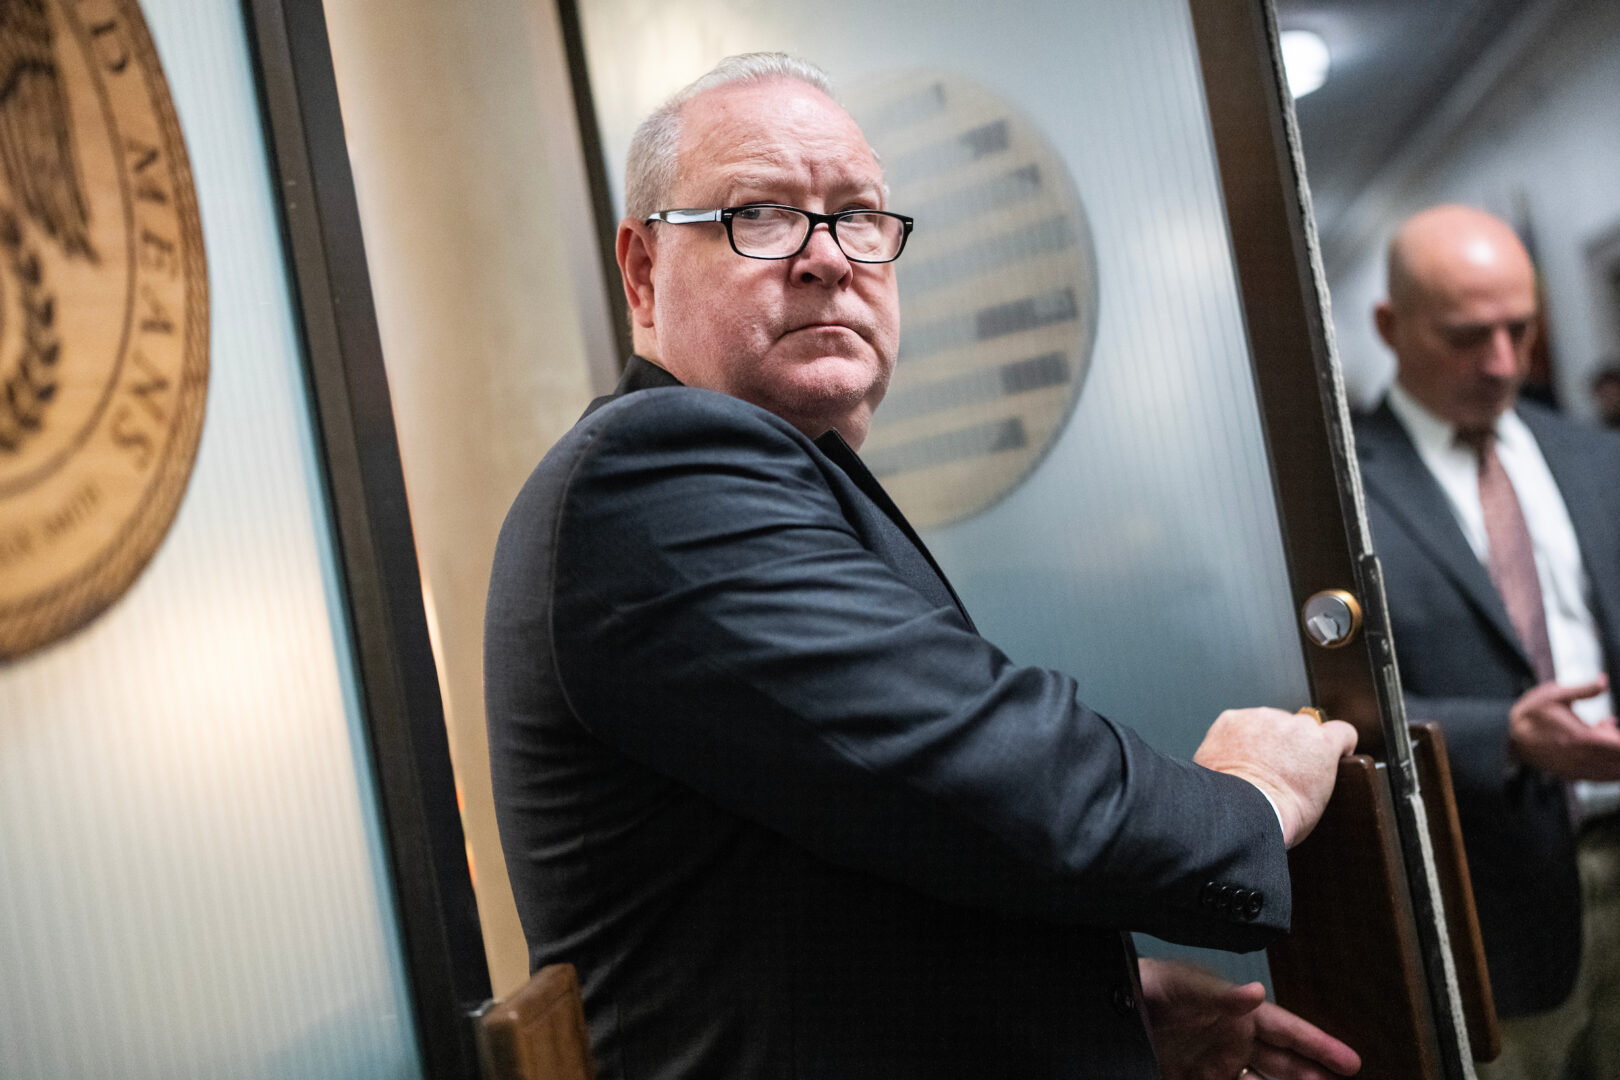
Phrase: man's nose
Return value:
(1503, 358)
(822, 260)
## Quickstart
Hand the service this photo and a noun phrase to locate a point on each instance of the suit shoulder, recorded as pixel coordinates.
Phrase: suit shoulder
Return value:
(684, 428)
(646, 459)
(1370, 415)
(684, 408)
(675, 419)
(666, 438)
(1546, 422)
(1374, 428)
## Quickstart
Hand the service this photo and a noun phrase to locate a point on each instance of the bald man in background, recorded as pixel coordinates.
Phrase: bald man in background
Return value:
(1498, 527)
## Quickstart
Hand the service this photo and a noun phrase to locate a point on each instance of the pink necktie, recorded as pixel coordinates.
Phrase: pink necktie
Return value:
(1512, 556)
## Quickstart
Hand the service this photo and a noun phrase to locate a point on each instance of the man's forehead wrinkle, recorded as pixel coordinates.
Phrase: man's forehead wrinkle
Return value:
(722, 156)
(737, 140)
(763, 173)
(768, 166)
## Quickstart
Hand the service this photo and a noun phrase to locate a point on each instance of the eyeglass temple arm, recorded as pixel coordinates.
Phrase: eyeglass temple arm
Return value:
(685, 217)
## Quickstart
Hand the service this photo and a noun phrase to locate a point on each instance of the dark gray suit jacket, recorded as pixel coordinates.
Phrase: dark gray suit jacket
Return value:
(790, 816)
(1462, 665)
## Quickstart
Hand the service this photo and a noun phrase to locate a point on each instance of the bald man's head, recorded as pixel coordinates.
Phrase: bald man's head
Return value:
(1461, 313)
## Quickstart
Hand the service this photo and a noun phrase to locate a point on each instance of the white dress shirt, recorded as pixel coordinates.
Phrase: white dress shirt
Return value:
(1577, 651)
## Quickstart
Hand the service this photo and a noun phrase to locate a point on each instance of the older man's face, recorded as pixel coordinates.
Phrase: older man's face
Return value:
(811, 338)
(1462, 335)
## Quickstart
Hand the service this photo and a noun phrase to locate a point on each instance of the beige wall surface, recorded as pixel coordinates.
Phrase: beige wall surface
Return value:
(494, 323)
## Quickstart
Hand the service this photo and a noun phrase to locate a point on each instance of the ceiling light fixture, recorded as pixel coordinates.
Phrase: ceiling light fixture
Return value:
(1305, 59)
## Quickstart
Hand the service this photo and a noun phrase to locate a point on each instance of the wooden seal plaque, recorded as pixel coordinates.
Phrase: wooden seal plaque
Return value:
(103, 313)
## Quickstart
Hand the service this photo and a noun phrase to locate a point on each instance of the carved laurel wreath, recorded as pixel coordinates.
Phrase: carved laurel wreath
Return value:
(31, 383)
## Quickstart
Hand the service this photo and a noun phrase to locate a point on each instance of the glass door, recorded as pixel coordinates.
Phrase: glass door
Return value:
(229, 842)
(194, 879)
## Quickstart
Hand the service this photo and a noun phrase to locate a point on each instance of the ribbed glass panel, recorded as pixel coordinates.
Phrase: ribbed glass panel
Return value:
(191, 876)
(1141, 549)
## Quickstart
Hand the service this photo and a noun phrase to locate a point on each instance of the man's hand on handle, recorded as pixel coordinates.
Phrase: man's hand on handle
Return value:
(1289, 756)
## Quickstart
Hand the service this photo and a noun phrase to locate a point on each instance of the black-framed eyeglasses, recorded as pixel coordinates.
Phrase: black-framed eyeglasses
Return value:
(773, 231)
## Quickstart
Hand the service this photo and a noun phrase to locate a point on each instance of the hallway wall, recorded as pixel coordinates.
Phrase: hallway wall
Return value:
(489, 302)
(1543, 145)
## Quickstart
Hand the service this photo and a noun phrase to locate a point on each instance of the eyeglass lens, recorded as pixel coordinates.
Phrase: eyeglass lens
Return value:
(773, 232)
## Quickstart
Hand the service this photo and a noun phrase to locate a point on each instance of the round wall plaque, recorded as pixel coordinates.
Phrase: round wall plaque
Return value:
(998, 294)
(103, 313)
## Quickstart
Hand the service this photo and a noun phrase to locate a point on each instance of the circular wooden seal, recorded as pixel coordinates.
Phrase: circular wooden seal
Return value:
(103, 313)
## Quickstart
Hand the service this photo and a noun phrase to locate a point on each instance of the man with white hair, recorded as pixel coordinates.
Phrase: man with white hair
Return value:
(758, 777)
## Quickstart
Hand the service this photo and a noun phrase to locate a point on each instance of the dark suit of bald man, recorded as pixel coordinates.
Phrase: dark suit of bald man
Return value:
(1462, 665)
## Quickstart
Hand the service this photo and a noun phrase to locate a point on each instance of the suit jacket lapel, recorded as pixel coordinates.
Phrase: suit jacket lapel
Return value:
(843, 455)
(1395, 475)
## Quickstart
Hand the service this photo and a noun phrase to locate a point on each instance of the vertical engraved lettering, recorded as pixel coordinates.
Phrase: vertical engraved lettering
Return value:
(89, 486)
(74, 512)
(149, 387)
(143, 157)
(130, 438)
(107, 38)
(158, 254)
(155, 319)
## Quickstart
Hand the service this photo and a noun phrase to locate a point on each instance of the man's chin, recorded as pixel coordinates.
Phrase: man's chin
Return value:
(834, 375)
(1486, 413)
(1477, 410)
(820, 394)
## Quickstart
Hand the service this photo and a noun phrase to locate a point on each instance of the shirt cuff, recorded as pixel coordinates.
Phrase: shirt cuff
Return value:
(1274, 810)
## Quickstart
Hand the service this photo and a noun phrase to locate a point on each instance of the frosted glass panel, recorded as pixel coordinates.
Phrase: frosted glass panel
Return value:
(1073, 410)
(192, 882)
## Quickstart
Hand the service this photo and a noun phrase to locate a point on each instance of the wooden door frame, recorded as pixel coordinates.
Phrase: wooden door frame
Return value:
(1306, 418)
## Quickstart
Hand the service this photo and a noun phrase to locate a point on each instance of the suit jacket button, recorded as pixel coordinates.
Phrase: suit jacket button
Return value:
(1206, 895)
(1251, 910)
(1124, 1001)
(1223, 899)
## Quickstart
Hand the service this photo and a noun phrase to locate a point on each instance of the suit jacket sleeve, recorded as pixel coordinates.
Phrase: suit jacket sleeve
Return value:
(721, 623)
(1476, 739)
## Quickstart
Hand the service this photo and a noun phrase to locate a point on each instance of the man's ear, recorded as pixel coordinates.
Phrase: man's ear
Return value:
(634, 249)
(1384, 319)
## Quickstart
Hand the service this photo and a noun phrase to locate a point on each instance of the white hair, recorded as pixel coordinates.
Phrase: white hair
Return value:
(653, 163)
